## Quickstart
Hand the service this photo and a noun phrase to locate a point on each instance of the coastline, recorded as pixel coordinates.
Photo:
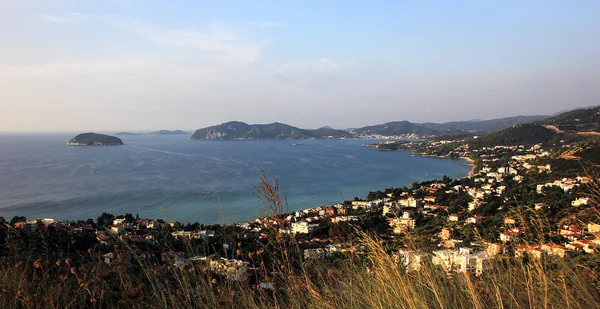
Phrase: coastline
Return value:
(472, 163)
(470, 160)
(187, 199)
(423, 154)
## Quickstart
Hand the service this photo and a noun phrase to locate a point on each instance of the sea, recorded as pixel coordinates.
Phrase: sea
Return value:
(174, 178)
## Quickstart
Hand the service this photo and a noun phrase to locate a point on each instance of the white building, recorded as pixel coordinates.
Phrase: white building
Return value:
(409, 202)
(412, 260)
(303, 227)
(580, 201)
(401, 224)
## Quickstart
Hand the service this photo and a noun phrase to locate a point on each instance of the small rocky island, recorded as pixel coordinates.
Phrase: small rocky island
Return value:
(94, 139)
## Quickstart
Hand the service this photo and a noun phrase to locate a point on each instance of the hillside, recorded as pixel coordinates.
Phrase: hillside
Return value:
(522, 134)
(587, 152)
(395, 128)
(447, 128)
(239, 130)
(576, 121)
(94, 139)
(575, 126)
(325, 132)
(480, 126)
(591, 154)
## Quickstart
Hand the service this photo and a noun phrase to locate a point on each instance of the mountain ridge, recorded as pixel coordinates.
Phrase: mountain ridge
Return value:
(236, 130)
(481, 126)
(575, 125)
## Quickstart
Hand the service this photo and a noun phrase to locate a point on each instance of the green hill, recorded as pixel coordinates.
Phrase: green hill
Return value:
(94, 139)
(447, 128)
(239, 130)
(576, 121)
(522, 134)
(480, 126)
(325, 132)
(586, 152)
(395, 128)
(574, 126)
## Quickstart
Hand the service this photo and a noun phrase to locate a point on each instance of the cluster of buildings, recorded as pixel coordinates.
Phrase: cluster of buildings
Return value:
(402, 213)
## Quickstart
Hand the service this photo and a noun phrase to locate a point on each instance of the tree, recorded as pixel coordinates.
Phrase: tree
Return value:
(414, 184)
(105, 219)
(3, 231)
(129, 217)
(382, 227)
(89, 221)
(375, 195)
(16, 219)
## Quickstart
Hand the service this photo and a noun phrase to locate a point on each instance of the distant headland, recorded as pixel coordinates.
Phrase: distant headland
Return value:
(159, 132)
(94, 139)
(236, 130)
(167, 132)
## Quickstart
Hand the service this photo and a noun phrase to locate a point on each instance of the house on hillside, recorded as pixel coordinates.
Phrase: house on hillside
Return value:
(455, 217)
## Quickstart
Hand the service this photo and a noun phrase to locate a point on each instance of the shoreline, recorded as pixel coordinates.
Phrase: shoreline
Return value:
(204, 213)
(471, 163)
(413, 152)
(470, 160)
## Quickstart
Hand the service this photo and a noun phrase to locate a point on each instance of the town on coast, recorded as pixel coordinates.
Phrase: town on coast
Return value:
(528, 212)
(451, 210)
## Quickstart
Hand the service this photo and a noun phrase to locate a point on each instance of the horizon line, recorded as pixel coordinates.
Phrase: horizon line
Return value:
(142, 131)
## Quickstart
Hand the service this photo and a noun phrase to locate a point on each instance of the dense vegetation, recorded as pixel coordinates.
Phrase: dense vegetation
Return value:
(480, 127)
(580, 120)
(240, 130)
(590, 153)
(52, 268)
(96, 139)
(395, 128)
(524, 134)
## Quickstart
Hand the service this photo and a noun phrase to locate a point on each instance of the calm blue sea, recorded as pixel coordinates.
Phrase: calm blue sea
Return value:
(171, 177)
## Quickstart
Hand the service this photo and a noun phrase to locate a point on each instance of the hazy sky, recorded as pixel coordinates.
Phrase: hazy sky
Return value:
(112, 65)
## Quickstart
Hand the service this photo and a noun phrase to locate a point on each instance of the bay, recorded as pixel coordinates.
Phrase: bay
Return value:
(173, 178)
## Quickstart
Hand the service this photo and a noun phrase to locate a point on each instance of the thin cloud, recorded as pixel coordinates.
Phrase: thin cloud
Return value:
(322, 64)
(60, 69)
(220, 39)
(69, 18)
(233, 43)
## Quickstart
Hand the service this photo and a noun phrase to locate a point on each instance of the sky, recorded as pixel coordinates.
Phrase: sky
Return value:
(114, 65)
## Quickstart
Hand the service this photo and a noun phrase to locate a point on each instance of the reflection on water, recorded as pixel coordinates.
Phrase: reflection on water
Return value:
(176, 178)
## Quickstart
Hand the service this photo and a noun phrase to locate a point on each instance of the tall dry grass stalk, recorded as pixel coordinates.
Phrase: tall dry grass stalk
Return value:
(273, 200)
(371, 280)
(377, 282)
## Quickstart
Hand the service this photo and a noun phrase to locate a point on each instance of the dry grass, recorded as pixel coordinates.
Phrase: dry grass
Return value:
(373, 280)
